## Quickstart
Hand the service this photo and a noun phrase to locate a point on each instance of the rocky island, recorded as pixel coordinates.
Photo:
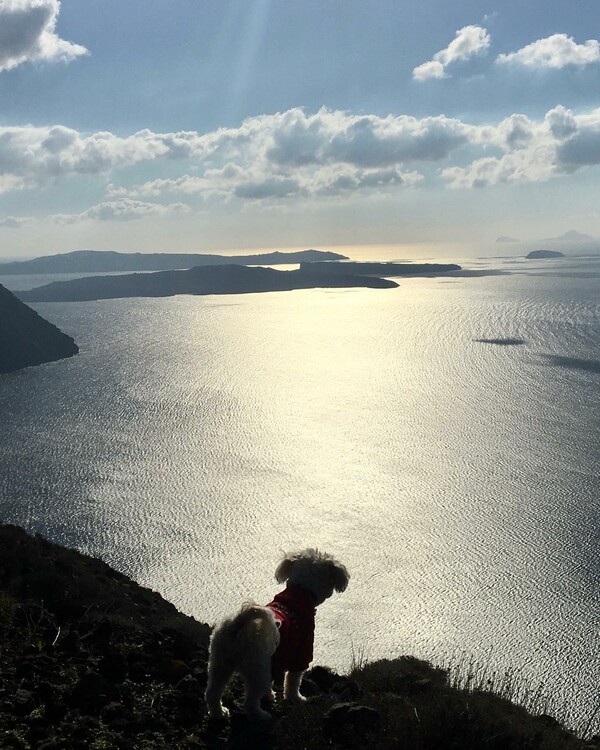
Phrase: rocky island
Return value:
(91, 660)
(104, 261)
(27, 339)
(230, 279)
(379, 269)
(545, 254)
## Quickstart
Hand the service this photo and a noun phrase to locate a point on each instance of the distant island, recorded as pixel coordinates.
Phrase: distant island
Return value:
(545, 254)
(230, 279)
(379, 269)
(504, 238)
(105, 261)
(571, 236)
(27, 339)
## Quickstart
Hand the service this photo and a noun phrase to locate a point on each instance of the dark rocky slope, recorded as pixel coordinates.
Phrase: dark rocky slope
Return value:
(26, 338)
(91, 660)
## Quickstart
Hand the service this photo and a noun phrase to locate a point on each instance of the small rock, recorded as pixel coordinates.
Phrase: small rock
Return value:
(322, 677)
(309, 688)
(549, 721)
(346, 690)
(350, 717)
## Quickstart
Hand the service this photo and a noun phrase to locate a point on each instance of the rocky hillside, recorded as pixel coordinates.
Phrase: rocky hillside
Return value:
(106, 261)
(90, 660)
(26, 338)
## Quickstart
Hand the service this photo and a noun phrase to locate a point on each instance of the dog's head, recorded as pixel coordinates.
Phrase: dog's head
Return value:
(317, 572)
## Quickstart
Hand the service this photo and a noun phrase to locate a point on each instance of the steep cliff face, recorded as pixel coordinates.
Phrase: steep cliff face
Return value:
(27, 339)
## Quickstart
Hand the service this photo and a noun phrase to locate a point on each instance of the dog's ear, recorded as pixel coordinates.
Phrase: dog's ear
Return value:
(340, 575)
(284, 569)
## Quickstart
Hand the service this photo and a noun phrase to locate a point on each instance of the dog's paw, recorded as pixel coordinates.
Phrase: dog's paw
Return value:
(296, 698)
(218, 714)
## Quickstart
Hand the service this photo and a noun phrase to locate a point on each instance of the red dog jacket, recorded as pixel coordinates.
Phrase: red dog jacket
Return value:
(295, 617)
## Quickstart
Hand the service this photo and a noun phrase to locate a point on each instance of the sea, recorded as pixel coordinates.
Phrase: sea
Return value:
(441, 438)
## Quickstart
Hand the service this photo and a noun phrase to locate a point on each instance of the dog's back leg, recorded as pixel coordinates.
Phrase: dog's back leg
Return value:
(256, 671)
(219, 674)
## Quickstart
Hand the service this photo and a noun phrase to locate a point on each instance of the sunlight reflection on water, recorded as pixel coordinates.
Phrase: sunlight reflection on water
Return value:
(193, 439)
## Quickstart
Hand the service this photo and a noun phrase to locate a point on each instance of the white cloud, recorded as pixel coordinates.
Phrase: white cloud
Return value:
(578, 138)
(512, 133)
(33, 156)
(27, 34)
(561, 122)
(16, 222)
(469, 41)
(561, 143)
(431, 69)
(121, 210)
(556, 51)
(519, 166)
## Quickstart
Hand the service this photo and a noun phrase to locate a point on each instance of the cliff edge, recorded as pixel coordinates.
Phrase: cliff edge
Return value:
(91, 660)
(27, 339)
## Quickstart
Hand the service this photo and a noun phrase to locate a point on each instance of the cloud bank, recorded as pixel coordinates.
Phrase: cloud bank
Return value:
(270, 156)
(328, 155)
(469, 41)
(27, 34)
(118, 210)
(535, 151)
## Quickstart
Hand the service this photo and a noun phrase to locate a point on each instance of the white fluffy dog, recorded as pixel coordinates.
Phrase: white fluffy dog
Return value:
(265, 643)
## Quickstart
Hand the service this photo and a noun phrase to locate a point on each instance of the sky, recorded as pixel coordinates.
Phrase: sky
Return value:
(215, 125)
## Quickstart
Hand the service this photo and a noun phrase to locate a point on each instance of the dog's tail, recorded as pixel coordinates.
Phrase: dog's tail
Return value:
(252, 633)
(254, 627)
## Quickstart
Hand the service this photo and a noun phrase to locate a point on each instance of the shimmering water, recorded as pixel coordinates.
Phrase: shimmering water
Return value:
(194, 438)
